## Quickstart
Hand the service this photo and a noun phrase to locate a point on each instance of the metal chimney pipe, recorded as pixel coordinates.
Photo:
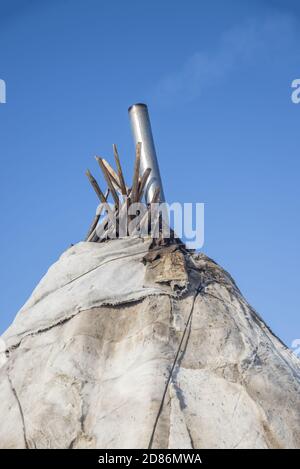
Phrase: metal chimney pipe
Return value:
(141, 129)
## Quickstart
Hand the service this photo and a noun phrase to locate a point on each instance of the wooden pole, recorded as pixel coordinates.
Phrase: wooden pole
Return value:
(120, 172)
(108, 180)
(135, 182)
(143, 182)
(96, 187)
(96, 219)
(113, 175)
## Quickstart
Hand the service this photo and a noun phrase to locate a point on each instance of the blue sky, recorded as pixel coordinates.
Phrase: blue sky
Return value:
(217, 78)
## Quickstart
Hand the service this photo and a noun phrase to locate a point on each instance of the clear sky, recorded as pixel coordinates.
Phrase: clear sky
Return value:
(217, 78)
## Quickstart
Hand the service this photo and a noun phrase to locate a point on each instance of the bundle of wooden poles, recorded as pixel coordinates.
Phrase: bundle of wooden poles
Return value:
(122, 197)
